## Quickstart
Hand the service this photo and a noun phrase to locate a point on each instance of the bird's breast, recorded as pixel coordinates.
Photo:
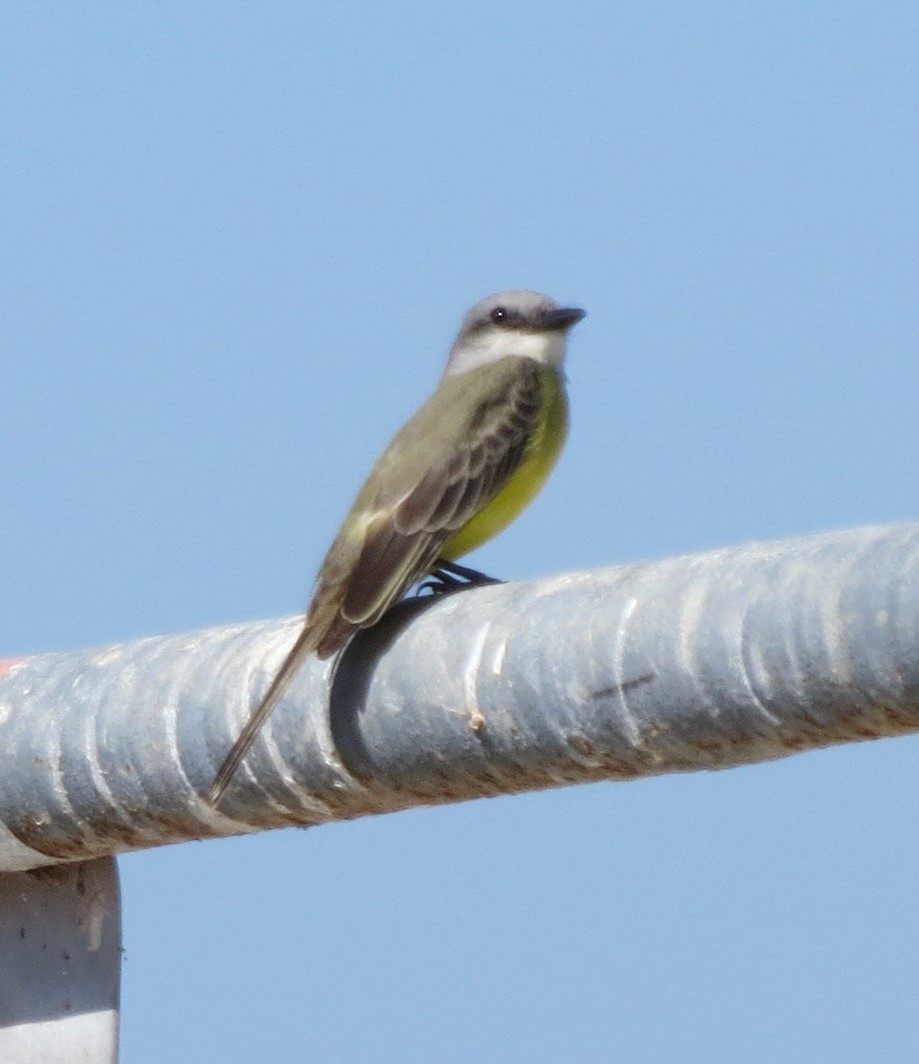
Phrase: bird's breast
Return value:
(525, 482)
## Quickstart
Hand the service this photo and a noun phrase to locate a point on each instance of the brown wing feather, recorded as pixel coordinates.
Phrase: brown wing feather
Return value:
(405, 538)
(453, 491)
(388, 563)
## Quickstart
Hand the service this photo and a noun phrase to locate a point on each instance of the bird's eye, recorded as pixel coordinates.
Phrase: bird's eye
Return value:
(499, 315)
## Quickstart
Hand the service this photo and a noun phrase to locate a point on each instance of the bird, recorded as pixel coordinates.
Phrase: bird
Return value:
(466, 463)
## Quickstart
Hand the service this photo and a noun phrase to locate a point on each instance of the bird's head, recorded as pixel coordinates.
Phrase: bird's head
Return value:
(516, 324)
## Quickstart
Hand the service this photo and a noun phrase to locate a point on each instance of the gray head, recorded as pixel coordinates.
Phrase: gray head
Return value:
(512, 325)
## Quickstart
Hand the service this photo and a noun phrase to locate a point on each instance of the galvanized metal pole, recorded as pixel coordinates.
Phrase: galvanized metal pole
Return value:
(60, 964)
(700, 662)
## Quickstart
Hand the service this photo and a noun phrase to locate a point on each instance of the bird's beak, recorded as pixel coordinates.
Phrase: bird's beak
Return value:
(560, 318)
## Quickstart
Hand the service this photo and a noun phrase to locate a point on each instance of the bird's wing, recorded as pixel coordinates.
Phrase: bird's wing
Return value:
(405, 535)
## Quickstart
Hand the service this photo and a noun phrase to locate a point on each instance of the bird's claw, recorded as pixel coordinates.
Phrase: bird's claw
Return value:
(449, 576)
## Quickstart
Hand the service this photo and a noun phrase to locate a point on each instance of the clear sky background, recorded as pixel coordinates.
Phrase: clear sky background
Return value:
(237, 240)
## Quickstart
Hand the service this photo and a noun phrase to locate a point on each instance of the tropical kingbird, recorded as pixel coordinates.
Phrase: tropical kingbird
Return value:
(457, 473)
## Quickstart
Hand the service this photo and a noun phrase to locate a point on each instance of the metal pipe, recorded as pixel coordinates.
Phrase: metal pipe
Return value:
(700, 662)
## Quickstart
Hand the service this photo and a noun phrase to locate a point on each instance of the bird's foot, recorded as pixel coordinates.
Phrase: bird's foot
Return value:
(448, 576)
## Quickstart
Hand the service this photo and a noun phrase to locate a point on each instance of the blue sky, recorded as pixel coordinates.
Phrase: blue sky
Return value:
(237, 242)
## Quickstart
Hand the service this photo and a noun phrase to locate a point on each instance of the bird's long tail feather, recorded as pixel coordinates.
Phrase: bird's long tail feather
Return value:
(303, 647)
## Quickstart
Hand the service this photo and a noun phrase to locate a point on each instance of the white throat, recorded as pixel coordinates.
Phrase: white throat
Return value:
(495, 344)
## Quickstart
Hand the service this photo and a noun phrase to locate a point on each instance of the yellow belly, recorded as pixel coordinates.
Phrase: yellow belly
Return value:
(526, 482)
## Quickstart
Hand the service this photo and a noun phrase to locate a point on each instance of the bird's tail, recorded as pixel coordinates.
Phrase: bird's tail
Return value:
(304, 646)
